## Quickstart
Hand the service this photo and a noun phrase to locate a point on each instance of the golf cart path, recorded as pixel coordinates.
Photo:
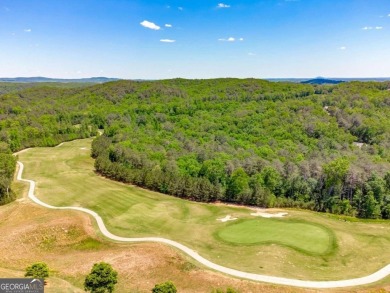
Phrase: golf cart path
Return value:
(382, 273)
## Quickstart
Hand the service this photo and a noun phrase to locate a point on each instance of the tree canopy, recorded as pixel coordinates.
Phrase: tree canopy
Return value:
(270, 144)
(101, 279)
(38, 270)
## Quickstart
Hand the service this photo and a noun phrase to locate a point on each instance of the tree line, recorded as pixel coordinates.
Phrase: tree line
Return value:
(325, 148)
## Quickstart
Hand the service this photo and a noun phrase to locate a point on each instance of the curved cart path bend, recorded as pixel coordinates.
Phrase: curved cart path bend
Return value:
(382, 273)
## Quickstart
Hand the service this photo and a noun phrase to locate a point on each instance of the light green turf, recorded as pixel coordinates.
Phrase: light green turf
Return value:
(302, 236)
(65, 176)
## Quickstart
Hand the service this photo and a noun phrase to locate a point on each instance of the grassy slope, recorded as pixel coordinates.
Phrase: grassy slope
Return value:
(66, 241)
(65, 177)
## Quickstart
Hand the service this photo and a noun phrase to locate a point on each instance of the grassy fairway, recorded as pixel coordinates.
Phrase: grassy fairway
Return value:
(296, 246)
(302, 236)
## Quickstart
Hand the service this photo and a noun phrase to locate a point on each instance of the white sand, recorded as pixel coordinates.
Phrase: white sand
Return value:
(227, 218)
(260, 213)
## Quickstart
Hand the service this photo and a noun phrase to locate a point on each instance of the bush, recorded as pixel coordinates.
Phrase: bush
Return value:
(38, 270)
(101, 279)
(166, 287)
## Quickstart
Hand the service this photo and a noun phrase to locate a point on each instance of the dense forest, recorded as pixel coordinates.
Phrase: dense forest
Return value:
(254, 142)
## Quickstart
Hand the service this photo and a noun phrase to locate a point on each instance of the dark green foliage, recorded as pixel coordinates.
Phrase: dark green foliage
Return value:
(166, 287)
(38, 270)
(244, 141)
(7, 170)
(101, 279)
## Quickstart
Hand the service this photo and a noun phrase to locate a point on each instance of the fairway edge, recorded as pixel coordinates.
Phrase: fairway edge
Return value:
(378, 275)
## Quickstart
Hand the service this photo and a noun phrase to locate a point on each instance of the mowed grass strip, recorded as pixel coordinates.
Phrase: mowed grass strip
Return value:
(299, 235)
(65, 177)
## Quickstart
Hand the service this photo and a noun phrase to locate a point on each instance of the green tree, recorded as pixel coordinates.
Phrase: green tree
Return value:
(335, 173)
(370, 207)
(271, 178)
(166, 287)
(238, 183)
(38, 270)
(101, 279)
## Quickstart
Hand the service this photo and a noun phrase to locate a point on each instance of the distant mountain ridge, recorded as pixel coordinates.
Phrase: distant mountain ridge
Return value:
(101, 79)
(322, 81)
(319, 79)
(65, 80)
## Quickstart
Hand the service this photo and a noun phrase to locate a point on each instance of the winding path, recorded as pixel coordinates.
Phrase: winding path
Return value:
(382, 273)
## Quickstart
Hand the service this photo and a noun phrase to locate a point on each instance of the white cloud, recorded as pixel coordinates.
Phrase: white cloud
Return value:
(368, 28)
(150, 25)
(168, 25)
(388, 15)
(222, 5)
(251, 54)
(167, 41)
(230, 39)
(343, 48)
(27, 30)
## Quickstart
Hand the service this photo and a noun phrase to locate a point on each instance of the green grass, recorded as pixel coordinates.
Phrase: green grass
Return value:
(304, 237)
(302, 245)
(88, 244)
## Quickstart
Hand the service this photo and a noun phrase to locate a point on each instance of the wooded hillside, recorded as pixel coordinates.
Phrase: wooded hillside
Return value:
(322, 147)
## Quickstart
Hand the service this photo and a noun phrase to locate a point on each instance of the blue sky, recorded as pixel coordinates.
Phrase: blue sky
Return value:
(195, 39)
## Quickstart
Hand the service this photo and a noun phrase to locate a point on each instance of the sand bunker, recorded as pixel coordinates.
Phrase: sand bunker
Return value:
(227, 218)
(268, 215)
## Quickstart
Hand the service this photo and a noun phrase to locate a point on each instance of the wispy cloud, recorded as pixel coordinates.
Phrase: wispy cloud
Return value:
(168, 25)
(27, 30)
(180, 8)
(388, 15)
(230, 39)
(150, 25)
(7, 9)
(368, 28)
(251, 54)
(167, 41)
(222, 5)
(343, 48)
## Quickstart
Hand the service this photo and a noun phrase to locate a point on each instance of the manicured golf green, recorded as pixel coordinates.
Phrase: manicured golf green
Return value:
(304, 237)
(304, 244)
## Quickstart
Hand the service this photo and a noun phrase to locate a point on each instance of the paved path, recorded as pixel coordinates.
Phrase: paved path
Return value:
(382, 273)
